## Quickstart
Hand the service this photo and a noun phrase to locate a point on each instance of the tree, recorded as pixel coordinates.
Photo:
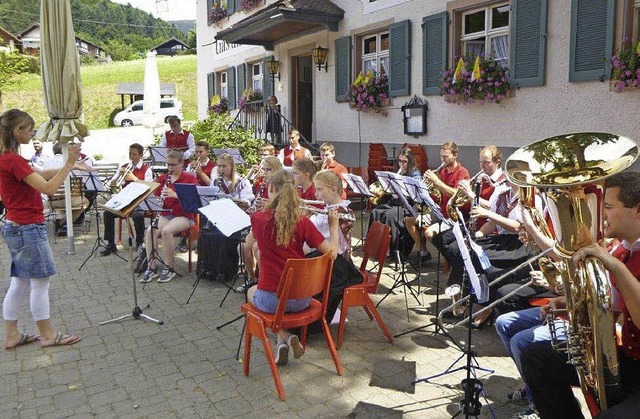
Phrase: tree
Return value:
(191, 40)
(12, 64)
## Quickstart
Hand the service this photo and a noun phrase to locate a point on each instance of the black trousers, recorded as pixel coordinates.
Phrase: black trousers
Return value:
(110, 227)
(549, 378)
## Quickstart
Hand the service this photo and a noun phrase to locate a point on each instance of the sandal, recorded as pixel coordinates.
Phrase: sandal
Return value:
(24, 340)
(63, 339)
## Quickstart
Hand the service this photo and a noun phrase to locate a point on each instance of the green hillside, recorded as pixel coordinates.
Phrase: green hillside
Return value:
(99, 88)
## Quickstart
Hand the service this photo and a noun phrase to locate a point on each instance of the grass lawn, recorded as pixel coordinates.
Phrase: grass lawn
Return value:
(99, 83)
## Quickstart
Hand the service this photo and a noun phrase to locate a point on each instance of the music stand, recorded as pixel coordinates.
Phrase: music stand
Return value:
(359, 187)
(401, 279)
(470, 405)
(158, 154)
(154, 205)
(233, 152)
(228, 218)
(93, 184)
(124, 211)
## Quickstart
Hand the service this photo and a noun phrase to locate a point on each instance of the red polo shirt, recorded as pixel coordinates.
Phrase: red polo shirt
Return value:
(23, 203)
(451, 178)
(174, 203)
(630, 333)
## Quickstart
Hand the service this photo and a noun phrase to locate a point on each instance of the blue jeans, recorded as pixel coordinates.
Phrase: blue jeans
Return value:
(31, 255)
(519, 329)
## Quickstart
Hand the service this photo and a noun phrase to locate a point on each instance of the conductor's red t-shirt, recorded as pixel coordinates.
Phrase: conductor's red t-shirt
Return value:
(23, 203)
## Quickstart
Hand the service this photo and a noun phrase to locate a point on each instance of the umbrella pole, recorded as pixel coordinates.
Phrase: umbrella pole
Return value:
(71, 241)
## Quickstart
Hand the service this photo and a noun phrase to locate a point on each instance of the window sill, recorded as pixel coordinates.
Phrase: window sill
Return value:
(459, 100)
(613, 88)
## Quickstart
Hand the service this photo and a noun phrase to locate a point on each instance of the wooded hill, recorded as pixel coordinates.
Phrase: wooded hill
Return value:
(124, 31)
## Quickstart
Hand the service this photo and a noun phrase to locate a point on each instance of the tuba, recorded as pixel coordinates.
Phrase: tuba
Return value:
(563, 167)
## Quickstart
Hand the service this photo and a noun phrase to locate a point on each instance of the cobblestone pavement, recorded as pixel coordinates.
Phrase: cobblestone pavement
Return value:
(187, 368)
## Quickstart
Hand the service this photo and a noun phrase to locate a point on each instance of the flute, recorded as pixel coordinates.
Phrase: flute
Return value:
(341, 215)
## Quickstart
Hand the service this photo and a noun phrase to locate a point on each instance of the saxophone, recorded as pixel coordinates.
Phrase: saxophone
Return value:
(564, 176)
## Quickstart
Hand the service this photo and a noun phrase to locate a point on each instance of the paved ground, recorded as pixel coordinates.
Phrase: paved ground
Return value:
(187, 368)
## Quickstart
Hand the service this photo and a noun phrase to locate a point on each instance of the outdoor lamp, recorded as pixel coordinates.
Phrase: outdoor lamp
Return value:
(274, 68)
(414, 117)
(320, 56)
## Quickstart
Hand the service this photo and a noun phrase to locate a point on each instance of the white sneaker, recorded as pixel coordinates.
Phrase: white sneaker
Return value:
(282, 354)
(166, 275)
(296, 347)
(149, 274)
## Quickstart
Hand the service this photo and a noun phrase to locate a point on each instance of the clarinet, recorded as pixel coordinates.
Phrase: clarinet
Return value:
(167, 184)
(254, 204)
(473, 223)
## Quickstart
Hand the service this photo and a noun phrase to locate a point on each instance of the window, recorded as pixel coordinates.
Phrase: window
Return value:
(375, 52)
(137, 107)
(224, 90)
(635, 35)
(486, 32)
(256, 77)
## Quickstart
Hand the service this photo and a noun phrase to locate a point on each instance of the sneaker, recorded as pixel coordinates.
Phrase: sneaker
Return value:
(282, 354)
(529, 413)
(296, 347)
(248, 283)
(149, 274)
(182, 247)
(519, 396)
(166, 275)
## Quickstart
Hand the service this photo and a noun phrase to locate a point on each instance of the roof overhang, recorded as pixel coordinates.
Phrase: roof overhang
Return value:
(283, 20)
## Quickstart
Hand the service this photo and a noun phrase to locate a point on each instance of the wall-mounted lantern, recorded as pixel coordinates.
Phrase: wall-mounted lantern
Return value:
(320, 58)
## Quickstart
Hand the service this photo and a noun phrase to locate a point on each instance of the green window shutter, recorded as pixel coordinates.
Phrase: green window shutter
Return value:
(231, 6)
(591, 39)
(231, 87)
(267, 84)
(343, 67)
(528, 42)
(209, 5)
(434, 52)
(211, 86)
(241, 71)
(400, 58)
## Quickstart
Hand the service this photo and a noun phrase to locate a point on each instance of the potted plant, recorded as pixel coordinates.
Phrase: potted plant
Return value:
(218, 11)
(247, 5)
(251, 100)
(219, 105)
(625, 67)
(482, 80)
(369, 92)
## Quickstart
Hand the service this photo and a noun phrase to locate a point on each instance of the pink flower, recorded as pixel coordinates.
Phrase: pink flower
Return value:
(620, 85)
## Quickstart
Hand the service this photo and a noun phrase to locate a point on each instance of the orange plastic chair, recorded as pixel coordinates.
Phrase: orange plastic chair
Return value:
(191, 235)
(301, 278)
(375, 249)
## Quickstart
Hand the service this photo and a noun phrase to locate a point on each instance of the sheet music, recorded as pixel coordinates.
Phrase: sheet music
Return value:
(480, 288)
(425, 199)
(126, 196)
(357, 184)
(403, 200)
(207, 190)
(159, 154)
(226, 216)
(412, 185)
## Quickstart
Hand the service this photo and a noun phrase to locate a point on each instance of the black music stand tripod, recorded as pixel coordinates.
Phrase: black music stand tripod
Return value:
(93, 184)
(360, 188)
(137, 312)
(401, 278)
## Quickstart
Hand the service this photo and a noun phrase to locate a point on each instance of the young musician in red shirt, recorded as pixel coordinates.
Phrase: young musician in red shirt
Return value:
(293, 151)
(171, 223)
(178, 139)
(280, 232)
(203, 165)
(25, 233)
(328, 154)
(303, 171)
(137, 171)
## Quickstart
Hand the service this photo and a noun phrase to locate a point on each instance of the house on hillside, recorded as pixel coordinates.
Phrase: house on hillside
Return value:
(557, 55)
(30, 38)
(9, 41)
(171, 47)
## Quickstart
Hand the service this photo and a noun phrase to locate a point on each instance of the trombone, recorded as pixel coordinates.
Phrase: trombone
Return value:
(453, 307)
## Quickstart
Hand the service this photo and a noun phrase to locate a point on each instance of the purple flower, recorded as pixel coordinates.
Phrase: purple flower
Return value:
(620, 85)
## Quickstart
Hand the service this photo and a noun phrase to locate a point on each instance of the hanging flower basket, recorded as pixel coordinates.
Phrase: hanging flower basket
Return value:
(219, 105)
(251, 100)
(625, 67)
(369, 92)
(247, 5)
(218, 11)
(475, 80)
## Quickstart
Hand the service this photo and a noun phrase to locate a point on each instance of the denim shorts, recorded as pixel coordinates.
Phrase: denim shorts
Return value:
(31, 255)
(267, 301)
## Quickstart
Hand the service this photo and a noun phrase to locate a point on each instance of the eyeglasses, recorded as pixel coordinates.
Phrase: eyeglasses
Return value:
(403, 161)
(172, 164)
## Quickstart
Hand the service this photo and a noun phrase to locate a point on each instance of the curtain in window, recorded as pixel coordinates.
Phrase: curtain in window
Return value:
(500, 49)
(474, 49)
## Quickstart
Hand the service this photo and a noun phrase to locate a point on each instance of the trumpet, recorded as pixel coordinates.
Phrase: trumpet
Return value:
(255, 172)
(124, 172)
(194, 166)
(345, 216)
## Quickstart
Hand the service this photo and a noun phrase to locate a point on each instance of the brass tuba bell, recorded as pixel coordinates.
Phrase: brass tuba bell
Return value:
(562, 167)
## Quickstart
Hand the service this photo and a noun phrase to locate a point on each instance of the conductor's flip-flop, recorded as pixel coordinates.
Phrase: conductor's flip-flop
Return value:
(63, 339)
(24, 340)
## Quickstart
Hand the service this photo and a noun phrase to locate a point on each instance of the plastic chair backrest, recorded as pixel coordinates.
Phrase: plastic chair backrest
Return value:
(304, 278)
(376, 247)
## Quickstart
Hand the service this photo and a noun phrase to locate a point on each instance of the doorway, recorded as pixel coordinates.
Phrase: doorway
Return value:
(302, 93)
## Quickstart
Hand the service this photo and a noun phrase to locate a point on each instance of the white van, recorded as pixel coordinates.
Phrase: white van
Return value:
(134, 113)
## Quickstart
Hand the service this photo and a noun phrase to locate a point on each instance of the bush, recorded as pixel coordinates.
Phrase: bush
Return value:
(214, 131)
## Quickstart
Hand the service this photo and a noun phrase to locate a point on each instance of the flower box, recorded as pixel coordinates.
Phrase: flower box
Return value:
(625, 67)
(247, 5)
(218, 12)
(369, 92)
(475, 80)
